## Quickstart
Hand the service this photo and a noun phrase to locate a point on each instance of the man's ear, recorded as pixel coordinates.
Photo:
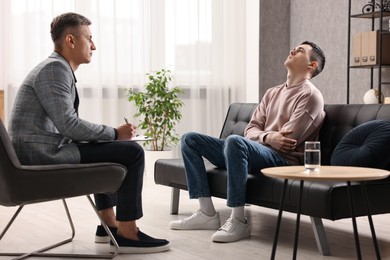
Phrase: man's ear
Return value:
(313, 65)
(69, 40)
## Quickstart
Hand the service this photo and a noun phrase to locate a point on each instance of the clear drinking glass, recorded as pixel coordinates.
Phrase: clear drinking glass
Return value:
(312, 156)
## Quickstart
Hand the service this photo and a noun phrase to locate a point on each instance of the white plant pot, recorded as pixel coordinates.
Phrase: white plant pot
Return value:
(152, 156)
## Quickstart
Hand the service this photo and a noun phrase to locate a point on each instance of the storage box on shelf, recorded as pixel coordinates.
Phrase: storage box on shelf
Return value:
(371, 50)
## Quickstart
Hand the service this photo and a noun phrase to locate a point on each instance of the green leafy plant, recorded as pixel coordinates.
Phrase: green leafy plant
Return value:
(159, 109)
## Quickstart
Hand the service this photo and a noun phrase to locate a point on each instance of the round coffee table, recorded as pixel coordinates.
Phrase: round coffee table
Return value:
(326, 173)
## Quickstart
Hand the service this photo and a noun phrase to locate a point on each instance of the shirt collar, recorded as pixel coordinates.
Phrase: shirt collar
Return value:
(298, 84)
(59, 56)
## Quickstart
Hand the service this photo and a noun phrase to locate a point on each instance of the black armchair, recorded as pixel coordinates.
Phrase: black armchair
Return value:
(22, 185)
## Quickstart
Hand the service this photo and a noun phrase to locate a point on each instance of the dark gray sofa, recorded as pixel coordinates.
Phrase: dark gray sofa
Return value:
(321, 200)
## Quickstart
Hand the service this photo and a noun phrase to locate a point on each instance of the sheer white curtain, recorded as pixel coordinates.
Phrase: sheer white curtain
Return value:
(206, 43)
(201, 41)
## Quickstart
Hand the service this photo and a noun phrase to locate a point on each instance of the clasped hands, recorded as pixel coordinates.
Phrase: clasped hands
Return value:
(280, 142)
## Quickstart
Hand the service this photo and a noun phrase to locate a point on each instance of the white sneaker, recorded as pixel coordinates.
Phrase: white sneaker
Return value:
(232, 230)
(198, 220)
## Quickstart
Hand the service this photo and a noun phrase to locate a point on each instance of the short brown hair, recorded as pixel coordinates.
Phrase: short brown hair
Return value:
(316, 55)
(64, 21)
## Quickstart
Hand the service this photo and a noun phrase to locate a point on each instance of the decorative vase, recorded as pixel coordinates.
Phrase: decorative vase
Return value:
(372, 96)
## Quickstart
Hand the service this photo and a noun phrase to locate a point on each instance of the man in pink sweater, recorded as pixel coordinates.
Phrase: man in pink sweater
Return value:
(287, 116)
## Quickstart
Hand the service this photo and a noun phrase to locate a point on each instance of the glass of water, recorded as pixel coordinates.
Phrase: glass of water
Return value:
(312, 156)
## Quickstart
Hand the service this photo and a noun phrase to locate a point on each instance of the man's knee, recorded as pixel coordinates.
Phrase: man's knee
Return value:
(139, 150)
(188, 139)
(234, 144)
(129, 151)
(234, 141)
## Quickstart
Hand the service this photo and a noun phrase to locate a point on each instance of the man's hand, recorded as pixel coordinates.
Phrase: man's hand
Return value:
(126, 131)
(280, 142)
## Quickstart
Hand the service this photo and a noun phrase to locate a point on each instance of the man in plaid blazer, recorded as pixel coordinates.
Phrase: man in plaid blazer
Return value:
(45, 129)
(44, 122)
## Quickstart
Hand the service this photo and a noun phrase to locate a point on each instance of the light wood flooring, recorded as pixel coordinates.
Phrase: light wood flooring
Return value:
(44, 223)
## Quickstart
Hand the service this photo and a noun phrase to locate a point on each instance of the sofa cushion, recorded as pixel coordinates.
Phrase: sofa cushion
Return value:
(367, 145)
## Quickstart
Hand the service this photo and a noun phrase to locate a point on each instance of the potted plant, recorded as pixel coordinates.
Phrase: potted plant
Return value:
(159, 110)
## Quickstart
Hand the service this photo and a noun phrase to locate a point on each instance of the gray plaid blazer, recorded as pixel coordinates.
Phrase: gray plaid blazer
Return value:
(44, 118)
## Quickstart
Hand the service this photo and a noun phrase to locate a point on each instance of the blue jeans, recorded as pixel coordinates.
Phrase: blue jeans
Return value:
(236, 154)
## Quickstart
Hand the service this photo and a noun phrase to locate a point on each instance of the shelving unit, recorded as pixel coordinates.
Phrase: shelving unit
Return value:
(373, 16)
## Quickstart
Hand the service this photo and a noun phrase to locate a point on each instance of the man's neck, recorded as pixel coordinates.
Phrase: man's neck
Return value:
(68, 59)
(294, 79)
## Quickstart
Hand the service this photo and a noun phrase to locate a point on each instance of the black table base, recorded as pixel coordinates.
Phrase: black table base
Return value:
(354, 225)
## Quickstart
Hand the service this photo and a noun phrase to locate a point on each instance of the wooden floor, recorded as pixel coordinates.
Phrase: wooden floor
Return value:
(45, 223)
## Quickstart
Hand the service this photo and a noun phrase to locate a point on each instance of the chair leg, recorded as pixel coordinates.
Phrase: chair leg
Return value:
(39, 251)
(175, 197)
(11, 221)
(320, 236)
(112, 238)
(42, 252)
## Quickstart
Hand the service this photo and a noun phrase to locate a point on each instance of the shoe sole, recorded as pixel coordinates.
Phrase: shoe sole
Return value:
(204, 226)
(140, 250)
(201, 227)
(102, 240)
(228, 239)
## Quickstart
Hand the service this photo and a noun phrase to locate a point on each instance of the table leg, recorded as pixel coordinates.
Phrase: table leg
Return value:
(355, 230)
(374, 240)
(281, 205)
(299, 208)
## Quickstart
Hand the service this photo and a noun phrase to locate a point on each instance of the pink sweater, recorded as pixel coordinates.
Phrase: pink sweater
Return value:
(299, 108)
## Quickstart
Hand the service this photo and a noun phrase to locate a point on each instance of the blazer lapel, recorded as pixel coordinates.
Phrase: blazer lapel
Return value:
(76, 101)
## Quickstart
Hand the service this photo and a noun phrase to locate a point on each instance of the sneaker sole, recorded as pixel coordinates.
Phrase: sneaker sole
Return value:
(228, 239)
(200, 227)
(140, 250)
(102, 240)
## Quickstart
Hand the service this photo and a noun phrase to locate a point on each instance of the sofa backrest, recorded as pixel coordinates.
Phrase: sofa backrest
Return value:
(238, 116)
(340, 119)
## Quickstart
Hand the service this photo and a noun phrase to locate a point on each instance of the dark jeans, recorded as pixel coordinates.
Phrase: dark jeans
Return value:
(128, 198)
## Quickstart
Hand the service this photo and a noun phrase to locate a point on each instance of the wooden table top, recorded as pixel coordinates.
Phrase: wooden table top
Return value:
(327, 173)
